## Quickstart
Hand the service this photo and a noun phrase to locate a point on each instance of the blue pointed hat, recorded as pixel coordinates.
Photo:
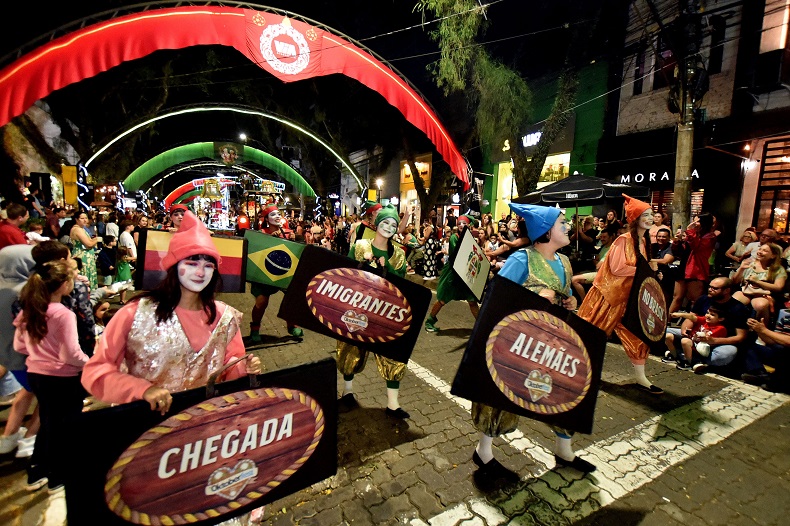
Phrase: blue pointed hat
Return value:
(539, 219)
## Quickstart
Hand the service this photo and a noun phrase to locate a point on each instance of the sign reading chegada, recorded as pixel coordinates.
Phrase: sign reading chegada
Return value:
(532, 358)
(336, 296)
(208, 459)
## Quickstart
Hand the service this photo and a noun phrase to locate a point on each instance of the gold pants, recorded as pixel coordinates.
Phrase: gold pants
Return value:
(351, 360)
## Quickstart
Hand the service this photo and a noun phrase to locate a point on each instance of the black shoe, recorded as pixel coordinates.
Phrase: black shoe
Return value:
(579, 464)
(397, 413)
(494, 470)
(668, 358)
(347, 402)
(653, 389)
(683, 366)
(755, 379)
(36, 479)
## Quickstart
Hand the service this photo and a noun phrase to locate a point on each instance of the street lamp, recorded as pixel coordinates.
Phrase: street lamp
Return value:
(379, 184)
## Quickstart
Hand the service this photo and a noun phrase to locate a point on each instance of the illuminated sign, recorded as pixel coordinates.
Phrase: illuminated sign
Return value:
(651, 177)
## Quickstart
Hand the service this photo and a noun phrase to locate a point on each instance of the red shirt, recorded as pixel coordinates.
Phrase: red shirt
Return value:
(11, 234)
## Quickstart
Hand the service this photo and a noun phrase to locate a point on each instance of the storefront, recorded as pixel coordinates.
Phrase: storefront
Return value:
(648, 159)
(555, 168)
(766, 191)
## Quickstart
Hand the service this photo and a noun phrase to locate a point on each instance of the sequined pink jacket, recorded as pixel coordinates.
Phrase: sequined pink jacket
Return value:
(103, 377)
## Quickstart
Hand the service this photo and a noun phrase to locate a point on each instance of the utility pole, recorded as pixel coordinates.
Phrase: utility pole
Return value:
(687, 85)
(691, 84)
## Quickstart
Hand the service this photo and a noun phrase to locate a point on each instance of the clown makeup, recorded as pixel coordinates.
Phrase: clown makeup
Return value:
(646, 219)
(559, 232)
(387, 227)
(195, 272)
(274, 218)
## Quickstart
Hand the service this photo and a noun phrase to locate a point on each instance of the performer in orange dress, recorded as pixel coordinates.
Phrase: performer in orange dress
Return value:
(605, 303)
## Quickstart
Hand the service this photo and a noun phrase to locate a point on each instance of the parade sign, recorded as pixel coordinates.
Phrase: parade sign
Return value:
(353, 302)
(532, 358)
(646, 315)
(472, 265)
(271, 260)
(153, 248)
(209, 459)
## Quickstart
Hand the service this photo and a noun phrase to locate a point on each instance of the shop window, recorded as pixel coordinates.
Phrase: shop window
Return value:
(664, 70)
(555, 168)
(773, 197)
(716, 56)
(639, 71)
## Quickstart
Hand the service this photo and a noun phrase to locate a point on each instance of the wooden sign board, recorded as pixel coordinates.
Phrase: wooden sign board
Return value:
(472, 265)
(206, 460)
(532, 358)
(341, 298)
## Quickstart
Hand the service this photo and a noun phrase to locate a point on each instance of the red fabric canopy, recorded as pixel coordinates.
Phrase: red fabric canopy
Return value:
(288, 49)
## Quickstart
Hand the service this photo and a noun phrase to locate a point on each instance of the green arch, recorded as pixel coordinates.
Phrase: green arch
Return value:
(186, 196)
(158, 164)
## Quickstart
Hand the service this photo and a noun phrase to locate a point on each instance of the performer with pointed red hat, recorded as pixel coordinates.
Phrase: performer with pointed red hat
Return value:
(173, 337)
(605, 303)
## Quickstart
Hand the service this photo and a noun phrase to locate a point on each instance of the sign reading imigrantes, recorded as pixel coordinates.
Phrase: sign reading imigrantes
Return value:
(355, 303)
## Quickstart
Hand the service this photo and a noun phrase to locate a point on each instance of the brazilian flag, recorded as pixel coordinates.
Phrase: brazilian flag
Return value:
(271, 260)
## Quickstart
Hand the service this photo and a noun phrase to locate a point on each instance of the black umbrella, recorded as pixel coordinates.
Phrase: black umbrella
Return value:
(581, 189)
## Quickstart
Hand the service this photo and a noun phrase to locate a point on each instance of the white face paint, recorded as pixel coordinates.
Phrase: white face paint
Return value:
(274, 218)
(646, 219)
(195, 275)
(559, 232)
(387, 227)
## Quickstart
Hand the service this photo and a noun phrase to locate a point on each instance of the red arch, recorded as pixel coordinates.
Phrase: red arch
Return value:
(294, 51)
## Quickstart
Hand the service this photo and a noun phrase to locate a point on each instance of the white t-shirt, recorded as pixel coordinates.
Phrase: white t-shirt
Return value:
(126, 240)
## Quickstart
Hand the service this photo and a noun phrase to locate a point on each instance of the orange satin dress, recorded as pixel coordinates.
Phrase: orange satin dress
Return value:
(605, 303)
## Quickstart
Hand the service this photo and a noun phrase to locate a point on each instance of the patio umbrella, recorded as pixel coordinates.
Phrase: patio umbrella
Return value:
(581, 189)
(584, 190)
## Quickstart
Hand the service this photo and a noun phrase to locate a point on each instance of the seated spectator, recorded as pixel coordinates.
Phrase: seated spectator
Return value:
(768, 235)
(710, 325)
(738, 252)
(771, 349)
(584, 238)
(493, 243)
(723, 349)
(579, 281)
(760, 279)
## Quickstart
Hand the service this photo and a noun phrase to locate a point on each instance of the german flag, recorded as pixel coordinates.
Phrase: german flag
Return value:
(154, 245)
(271, 260)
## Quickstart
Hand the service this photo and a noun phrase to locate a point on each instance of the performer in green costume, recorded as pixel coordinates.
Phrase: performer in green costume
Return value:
(451, 287)
(379, 252)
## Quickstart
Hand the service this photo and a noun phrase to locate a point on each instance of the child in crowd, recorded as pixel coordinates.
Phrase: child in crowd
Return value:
(123, 270)
(46, 332)
(35, 234)
(105, 261)
(99, 311)
(710, 325)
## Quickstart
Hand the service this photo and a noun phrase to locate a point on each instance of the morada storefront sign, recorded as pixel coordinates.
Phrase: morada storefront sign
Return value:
(651, 177)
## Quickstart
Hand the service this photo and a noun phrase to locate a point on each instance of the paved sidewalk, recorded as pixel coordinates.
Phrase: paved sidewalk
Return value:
(710, 451)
